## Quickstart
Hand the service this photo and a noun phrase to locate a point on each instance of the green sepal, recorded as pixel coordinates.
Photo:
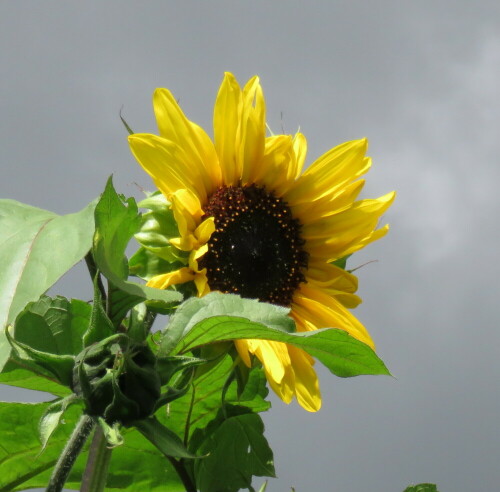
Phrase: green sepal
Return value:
(100, 326)
(146, 264)
(112, 433)
(341, 262)
(163, 438)
(137, 328)
(117, 380)
(157, 226)
(51, 418)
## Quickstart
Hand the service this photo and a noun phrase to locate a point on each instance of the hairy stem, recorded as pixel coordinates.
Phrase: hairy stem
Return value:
(96, 472)
(70, 453)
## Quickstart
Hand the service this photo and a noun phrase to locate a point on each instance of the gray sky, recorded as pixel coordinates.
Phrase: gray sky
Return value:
(420, 80)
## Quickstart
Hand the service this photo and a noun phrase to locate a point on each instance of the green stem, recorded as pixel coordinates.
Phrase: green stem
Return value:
(96, 472)
(183, 474)
(70, 453)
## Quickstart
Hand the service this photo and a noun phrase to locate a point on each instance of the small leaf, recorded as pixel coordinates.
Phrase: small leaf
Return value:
(195, 310)
(36, 244)
(116, 222)
(237, 451)
(52, 417)
(164, 439)
(423, 487)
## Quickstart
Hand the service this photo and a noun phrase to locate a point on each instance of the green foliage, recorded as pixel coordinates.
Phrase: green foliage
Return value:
(196, 310)
(36, 248)
(163, 438)
(422, 487)
(236, 451)
(116, 221)
(344, 355)
(158, 225)
(21, 459)
(47, 336)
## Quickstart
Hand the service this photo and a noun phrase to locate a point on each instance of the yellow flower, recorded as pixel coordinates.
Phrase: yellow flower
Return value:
(256, 225)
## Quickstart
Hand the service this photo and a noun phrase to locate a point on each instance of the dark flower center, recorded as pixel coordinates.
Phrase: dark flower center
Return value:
(256, 250)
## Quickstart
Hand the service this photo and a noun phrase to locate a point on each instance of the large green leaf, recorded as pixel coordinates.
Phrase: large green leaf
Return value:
(36, 248)
(20, 457)
(236, 451)
(117, 221)
(343, 354)
(136, 465)
(196, 310)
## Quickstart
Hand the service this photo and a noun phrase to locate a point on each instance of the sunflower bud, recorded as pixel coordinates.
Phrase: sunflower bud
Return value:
(117, 380)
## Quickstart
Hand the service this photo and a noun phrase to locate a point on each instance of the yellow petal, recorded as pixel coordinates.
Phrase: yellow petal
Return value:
(168, 165)
(252, 130)
(226, 122)
(317, 309)
(171, 278)
(331, 172)
(197, 146)
(187, 213)
(333, 237)
(307, 389)
(309, 212)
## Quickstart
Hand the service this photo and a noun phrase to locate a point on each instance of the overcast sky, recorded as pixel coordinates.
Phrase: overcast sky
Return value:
(420, 80)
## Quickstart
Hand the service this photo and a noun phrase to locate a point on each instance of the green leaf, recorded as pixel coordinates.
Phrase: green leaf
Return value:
(136, 465)
(163, 438)
(206, 396)
(343, 354)
(36, 244)
(20, 458)
(13, 375)
(52, 417)
(54, 325)
(195, 310)
(116, 222)
(59, 367)
(422, 487)
(237, 451)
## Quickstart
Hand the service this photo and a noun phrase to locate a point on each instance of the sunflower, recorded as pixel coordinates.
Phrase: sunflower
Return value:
(254, 224)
